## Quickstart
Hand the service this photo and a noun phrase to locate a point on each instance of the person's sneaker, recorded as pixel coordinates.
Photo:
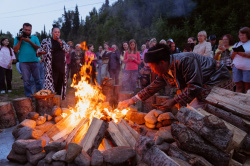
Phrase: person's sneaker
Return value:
(2, 91)
(9, 91)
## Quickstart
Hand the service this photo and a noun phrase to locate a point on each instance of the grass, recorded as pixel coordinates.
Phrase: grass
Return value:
(17, 86)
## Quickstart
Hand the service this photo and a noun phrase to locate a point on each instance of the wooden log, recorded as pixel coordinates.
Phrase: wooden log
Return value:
(7, 115)
(79, 136)
(246, 145)
(132, 131)
(57, 100)
(234, 163)
(229, 117)
(150, 154)
(209, 127)
(73, 133)
(191, 142)
(192, 159)
(161, 99)
(94, 135)
(241, 158)
(124, 95)
(23, 106)
(116, 136)
(105, 144)
(238, 134)
(44, 106)
(237, 103)
(59, 126)
(126, 133)
(68, 129)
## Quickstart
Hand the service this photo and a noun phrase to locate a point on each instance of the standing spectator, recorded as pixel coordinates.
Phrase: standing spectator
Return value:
(90, 58)
(68, 57)
(174, 49)
(6, 57)
(188, 47)
(105, 60)
(77, 60)
(99, 65)
(114, 66)
(29, 64)
(169, 41)
(212, 40)
(54, 50)
(163, 42)
(123, 51)
(132, 60)
(203, 48)
(190, 40)
(223, 53)
(241, 61)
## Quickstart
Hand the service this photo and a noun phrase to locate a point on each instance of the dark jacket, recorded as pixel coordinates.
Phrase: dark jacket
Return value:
(75, 68)
(114, 61)
(192, 73)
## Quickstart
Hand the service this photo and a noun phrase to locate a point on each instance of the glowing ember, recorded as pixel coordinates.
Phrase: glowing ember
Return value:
(90, 100)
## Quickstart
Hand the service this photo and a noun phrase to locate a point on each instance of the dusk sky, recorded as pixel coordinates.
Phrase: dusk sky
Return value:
(13, 13)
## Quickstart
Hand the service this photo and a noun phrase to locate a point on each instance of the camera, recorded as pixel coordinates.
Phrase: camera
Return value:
(22, 34)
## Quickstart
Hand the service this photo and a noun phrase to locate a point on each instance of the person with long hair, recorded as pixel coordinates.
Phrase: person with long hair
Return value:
(90, 58)
(223, 52)
(123, 50)
(105, 60)
(132, 59)
(54, 50)
(6, 57)
(241, 61)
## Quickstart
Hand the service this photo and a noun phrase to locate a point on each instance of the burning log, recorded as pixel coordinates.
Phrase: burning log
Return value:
(210, 128)
(94, 135)
(7, 115)
(189, 141)
(237, 103)
(76, 129)
(229, 117)
(23, 106)
(150, 154)
(238, 134)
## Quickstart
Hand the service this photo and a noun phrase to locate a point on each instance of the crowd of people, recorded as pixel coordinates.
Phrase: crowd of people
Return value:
(54, 62)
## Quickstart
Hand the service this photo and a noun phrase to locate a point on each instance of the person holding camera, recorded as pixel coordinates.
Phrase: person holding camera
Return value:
(27, 45)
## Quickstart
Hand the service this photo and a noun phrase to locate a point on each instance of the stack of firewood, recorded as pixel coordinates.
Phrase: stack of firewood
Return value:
(215, 135)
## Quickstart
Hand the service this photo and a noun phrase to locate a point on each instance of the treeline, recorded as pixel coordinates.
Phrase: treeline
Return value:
(145, 19)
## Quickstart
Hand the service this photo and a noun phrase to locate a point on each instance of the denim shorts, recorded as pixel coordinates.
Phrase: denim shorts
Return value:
(241, 75)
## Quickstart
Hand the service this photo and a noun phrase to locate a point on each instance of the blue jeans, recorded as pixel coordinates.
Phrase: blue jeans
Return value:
(41, 68)
(129, 80)
(28, 69)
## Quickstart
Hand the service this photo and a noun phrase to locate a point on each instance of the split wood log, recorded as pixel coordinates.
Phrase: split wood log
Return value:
(7, 115)
(44, 106)
(57, 100)
(132, 131)
(73, 133)
(79, 136)
(234, 163)
(124, 95)
(191, 142)
(105, 145)
(246, 145)
(68, 129)
(209, 127)
(59, 126)
(238, 134)
(229, 117)
(126, 134)
(94, 135)
(117, 138)
(150, 154)
(23, 106)
(237, 103)
(192, 159)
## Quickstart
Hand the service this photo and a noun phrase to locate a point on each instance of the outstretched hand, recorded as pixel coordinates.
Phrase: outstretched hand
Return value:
(125, 103)
(168, 104)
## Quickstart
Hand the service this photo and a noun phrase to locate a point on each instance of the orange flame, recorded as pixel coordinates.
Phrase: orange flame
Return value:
(84, 45)
(90, 102)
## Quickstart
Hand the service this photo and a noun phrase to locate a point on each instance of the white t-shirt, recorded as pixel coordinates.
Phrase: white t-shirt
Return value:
(240, 62)
(5, 57)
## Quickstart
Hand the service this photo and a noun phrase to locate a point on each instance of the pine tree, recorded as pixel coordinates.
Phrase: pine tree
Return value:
(76, 21)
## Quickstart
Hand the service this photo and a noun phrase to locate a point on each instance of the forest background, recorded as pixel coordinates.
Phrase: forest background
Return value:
(144, 19)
